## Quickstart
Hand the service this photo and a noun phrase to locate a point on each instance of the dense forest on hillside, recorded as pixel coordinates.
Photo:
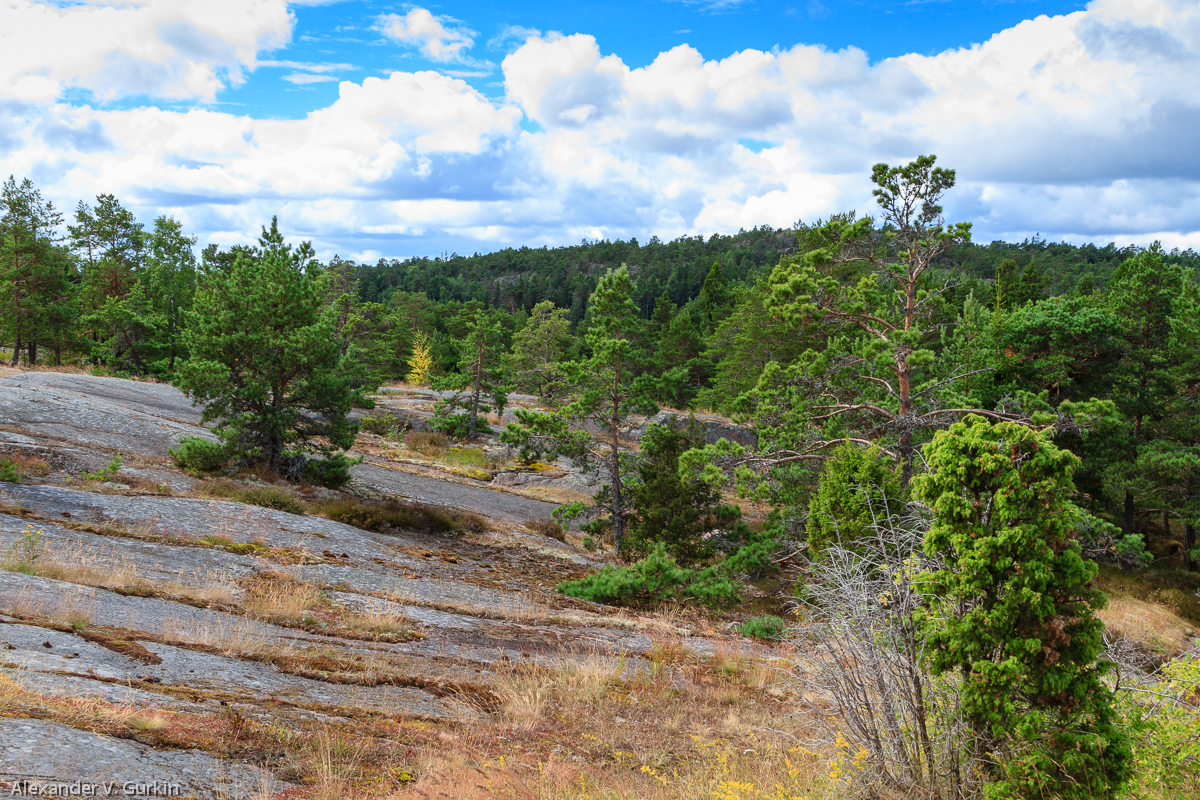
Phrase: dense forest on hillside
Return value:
(521, 278)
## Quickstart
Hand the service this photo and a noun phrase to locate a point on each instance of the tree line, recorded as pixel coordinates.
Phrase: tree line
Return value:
(875, 331)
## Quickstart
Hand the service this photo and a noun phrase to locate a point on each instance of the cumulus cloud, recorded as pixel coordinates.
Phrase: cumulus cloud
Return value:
(431, 35)
(1078, 126)
(177, 49)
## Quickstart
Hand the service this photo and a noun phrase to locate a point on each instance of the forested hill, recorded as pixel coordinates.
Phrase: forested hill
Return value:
(522, 277)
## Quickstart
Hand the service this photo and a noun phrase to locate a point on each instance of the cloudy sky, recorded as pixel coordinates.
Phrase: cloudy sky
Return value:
(396, 129)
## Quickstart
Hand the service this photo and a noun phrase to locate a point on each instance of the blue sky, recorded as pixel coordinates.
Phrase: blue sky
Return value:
(387, 129)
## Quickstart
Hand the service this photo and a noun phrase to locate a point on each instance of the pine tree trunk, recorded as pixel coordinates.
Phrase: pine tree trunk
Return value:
(1127, 523)
(904, 417)
(16, 359)
(1189, 533)
(32, 352)
(1189, 544)
(618, 511)
(471, 423)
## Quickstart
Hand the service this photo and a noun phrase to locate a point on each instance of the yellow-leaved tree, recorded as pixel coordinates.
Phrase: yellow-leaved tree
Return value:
(421, 360)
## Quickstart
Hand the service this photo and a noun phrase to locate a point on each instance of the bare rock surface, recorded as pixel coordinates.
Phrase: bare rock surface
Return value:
(57, 685)
(152, 561)
(177, 628)
(192, 518)
(110, 413)
(477, 498)
(50, 753)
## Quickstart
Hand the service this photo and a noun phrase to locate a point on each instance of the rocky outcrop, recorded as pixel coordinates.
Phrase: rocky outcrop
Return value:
(715, 427)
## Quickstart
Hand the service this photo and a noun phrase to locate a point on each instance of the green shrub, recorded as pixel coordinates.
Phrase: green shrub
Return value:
(428, 442)
(754, 557)
(386, 425)
(106, 474)
(458, 426)
(671, 508)
(271, 497)
(654, 579)
(201, 455)
(332, 472)
(854, 486)
(767, 626)
(8, 471)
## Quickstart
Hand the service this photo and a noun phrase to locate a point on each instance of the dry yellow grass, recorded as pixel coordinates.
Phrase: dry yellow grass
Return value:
(1150, 623)
(526, 693)
(232, 637)
(147, 721)
(11, 694)
(74, 606)
(277, 599)
(623, 734)
(336, 760)
(380, 625)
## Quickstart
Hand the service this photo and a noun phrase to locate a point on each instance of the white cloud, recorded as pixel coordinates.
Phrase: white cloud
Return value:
(1079, 126)
(421, 29)
(509, 34)
(178, 49)
(307, 66)
(302, 78)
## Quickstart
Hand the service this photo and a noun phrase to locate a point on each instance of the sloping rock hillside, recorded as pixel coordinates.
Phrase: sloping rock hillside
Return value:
(161, 630)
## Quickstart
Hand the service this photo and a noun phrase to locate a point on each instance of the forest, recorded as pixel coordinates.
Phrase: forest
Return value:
(982, 425)
(801, 333)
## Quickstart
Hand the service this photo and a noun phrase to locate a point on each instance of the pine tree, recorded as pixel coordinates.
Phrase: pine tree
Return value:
(480, 372)
(671, 509)
(171, 281)
(538, 348)
(873, 377)
(607, 385)
(36, 275)
(264, 357)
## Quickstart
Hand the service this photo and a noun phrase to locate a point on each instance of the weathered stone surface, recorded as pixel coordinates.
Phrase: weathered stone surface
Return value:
(56, 685)
(480, 601)
(189, 566)
(47, 752)
(72, 655)
(569, 479)
(714, 427)
(426, 590)
(145, 418)
(489, 502)
(196, 519)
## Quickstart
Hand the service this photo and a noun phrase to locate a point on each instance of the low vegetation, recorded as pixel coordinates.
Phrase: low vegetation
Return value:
(199, 455)
(381, 515)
